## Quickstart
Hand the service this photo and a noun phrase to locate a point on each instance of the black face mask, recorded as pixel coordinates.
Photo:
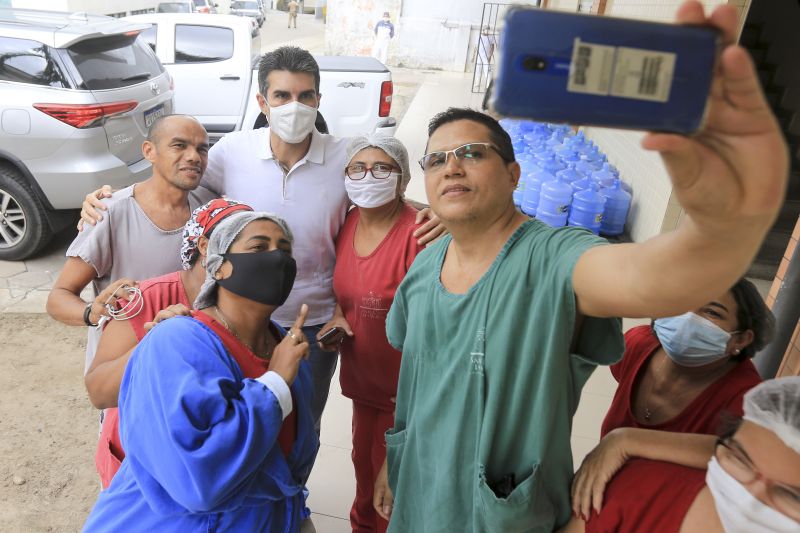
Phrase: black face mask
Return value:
(264, 277)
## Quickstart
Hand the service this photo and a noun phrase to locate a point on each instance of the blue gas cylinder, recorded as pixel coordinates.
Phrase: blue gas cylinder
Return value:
(569, 174)
(587, 209)
(618, 202)
(510, 125)
(527, 166)
(533, 183)
(585, 167)
(582, 144)
(582, 184)
(550, 163)
(518, 143)
(567, 154)
(605, 176)
(555, 198)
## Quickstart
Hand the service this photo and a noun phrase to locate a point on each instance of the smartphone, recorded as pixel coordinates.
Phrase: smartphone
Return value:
(603, 71)
(332, 336)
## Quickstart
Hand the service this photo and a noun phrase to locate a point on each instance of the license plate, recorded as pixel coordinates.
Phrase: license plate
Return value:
(151, 115)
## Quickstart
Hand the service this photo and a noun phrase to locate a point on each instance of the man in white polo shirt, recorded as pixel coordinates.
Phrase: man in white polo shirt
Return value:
(296, 172)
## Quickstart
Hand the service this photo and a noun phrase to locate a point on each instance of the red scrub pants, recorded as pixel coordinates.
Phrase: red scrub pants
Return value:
(369, 452)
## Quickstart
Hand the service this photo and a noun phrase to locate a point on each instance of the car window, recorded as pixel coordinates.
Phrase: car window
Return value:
(244, 5)
(148, 36)
(115, 61)
(202, 44)
(199, 3)
(174, 7)
(27, 61)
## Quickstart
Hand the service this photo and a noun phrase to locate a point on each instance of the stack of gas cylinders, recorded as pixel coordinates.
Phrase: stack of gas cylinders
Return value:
(566, 179)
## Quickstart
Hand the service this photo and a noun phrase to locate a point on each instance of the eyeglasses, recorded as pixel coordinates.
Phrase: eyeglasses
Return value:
(358, 171)
(472, 152)
(736, 463)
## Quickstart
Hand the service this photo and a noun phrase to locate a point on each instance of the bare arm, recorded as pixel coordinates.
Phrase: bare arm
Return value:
(64, 302)
(688, 449)
(105, 374)
(601, 465)
(730, 179)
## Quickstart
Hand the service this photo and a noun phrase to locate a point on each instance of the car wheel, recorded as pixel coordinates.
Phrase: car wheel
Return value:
(24, 229)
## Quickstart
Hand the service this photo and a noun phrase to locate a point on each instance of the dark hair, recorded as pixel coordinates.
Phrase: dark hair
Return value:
(497, 134)
(753, 314)
(291, 58)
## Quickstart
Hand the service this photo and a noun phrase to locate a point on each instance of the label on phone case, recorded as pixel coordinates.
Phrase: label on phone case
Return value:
(591, 68)
(621, 71)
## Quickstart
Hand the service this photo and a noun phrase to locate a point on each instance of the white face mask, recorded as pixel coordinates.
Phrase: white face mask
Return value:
(741, 512)
(370, 192)
(292, 122)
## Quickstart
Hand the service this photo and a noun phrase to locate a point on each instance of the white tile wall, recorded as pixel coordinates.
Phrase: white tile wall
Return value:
(644, 172)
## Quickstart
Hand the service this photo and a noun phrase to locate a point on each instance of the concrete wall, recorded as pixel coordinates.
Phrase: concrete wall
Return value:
(428, 35)
(350, 25)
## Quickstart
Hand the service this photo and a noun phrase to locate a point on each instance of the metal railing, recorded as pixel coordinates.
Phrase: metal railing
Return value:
(488, 40)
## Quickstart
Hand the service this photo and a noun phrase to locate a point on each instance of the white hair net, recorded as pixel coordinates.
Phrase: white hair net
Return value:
(220, 242)
(775, 405)
(391, 145)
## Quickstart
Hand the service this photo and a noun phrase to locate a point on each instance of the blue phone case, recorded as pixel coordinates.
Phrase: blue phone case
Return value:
(594, 70)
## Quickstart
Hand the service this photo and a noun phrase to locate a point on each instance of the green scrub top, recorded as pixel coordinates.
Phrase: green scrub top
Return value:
(488, 387)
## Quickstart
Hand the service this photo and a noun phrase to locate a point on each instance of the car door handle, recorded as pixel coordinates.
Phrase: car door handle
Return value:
(230, 77)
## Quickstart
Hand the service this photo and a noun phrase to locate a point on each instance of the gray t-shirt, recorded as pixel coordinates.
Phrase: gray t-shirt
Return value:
(126, 243)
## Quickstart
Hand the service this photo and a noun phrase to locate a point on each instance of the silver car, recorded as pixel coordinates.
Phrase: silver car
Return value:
(77, 96)
(248, 8)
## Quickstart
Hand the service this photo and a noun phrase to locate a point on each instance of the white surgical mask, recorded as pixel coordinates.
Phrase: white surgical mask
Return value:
(371, 192)
(691, 340)
(292, 122)
(741, 512)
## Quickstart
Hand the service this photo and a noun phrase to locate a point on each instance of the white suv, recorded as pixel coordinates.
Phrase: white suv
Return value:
(77, 96)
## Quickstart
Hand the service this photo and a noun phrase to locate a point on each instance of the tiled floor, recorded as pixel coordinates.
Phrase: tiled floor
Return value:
(332, 483)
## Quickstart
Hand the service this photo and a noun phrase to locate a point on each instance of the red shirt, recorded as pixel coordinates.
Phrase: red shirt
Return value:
(652, 495)
(157, 294)
(364, 288)
(253, 367)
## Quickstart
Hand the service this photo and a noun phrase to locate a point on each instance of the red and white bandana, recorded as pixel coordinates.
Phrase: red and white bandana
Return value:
(202, 221)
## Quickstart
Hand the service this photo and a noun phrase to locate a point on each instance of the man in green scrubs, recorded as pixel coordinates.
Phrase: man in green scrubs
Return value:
(502, 322)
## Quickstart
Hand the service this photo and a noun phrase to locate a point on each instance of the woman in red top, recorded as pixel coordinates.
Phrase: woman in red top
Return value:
(374, 250)
(676, 379)
(120, 337)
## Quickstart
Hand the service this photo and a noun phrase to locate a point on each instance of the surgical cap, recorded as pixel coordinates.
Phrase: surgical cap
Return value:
(775, 405)
(219, 244)
(202, 221)
(391, 145)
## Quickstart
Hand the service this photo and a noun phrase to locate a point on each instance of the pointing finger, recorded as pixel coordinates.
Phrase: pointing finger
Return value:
(301, 318)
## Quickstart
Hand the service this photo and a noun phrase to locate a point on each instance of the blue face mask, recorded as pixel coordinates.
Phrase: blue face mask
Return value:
(691, 340)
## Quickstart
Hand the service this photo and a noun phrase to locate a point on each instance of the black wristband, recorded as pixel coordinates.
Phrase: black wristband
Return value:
(86, 313)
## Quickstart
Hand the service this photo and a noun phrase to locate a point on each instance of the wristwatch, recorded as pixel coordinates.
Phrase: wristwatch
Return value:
(86, 313)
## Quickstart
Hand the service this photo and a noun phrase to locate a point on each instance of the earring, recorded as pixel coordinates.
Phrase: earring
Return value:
(203, 262)
(736, 351)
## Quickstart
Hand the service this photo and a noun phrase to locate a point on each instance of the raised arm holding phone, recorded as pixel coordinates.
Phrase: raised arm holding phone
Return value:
(502, 323)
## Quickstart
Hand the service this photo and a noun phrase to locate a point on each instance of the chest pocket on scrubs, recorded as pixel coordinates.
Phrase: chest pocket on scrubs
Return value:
(526, 509)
